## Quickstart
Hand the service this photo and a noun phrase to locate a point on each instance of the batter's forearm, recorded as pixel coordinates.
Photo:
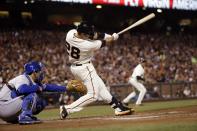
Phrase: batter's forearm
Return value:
(102, 36)
(106, 38)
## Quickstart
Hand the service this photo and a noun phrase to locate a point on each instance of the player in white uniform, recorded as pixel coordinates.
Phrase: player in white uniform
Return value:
(135, 81)
(81, 44)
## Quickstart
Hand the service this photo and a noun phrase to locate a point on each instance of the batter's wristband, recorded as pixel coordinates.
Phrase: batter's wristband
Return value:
(107, 36)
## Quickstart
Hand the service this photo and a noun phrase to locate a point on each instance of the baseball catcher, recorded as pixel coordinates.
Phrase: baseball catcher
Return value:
(20, 98)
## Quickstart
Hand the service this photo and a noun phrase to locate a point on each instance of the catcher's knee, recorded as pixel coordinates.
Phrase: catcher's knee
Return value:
(40, 105)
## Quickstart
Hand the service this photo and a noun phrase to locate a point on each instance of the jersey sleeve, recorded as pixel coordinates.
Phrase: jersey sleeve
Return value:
(54, 88)
(27, 89)
(92, 45)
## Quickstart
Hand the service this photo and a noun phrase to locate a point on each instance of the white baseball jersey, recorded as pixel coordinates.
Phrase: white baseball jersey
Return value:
(10, 107)
(80, 51)
(5, 92)
(138, 71)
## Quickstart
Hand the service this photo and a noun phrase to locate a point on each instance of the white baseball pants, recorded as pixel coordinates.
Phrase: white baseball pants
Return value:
(140, 87)
(9, 110)
(95, 87)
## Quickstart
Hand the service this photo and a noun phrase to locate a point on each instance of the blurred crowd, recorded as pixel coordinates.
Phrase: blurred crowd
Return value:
(170, 57)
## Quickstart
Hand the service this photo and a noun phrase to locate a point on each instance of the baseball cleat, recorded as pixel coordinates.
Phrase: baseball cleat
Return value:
(63, 112)
(132, 110)
(125, 104)
(128, 111)
(139, 105)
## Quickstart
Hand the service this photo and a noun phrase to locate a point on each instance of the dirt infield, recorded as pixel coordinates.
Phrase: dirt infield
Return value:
(161, 116)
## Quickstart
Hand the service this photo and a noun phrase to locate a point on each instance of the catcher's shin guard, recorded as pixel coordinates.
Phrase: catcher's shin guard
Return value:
(28, 104)
(63, 112)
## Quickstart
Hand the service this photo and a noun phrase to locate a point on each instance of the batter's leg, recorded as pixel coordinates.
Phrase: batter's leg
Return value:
(91, 96)
(115, 104)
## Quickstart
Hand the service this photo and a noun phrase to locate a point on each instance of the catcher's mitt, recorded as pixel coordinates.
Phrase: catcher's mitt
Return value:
(76, 86)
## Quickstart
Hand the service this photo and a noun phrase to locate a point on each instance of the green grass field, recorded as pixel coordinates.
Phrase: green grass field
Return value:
(147, 127)
(185, 123)
(106, 110)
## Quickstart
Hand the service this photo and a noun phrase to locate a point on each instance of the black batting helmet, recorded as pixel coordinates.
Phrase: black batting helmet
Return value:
(86, 28)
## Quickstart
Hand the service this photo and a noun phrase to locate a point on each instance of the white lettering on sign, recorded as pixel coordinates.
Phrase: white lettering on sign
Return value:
(75, 1)
(114, 1)
(131, 2)
(157, 3)
(185, 4)
(177, 4)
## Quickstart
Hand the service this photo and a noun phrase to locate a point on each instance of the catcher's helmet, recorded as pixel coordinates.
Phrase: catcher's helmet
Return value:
(86, 28)
(32, 67)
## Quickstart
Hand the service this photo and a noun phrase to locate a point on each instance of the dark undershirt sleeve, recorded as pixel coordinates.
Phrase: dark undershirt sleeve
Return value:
(103, 43)
(101, 36)
(140, 78)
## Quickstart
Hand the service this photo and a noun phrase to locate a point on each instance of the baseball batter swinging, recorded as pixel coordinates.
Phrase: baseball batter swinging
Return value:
(81, 44)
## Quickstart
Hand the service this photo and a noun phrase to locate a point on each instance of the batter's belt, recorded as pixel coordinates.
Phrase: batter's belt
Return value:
(81, 64)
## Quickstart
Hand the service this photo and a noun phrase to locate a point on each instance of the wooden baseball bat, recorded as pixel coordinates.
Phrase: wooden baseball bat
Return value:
(139, 22)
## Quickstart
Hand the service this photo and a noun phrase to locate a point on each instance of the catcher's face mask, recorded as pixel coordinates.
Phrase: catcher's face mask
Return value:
(40, 75)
